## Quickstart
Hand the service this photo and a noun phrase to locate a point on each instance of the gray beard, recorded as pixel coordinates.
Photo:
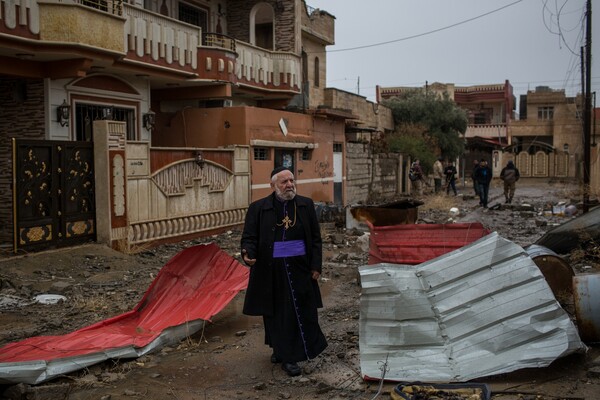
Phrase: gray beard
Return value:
(285, 196)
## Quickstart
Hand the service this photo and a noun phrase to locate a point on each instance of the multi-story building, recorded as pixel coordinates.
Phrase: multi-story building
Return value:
(546, 141)
(138, 122)
(490, 109)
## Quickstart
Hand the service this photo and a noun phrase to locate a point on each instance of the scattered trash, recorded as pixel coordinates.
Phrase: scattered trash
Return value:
(453, 391)
(49, 298)
(363, 242)
(569, 235)
(559, 209)
(8, 301)
(570, 210)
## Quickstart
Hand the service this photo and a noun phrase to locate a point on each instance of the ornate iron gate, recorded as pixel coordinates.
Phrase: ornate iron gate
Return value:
(54, 193)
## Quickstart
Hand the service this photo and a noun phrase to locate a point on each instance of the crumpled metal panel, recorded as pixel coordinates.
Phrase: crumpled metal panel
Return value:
(481, 310)
(190, 289)
(417, 243)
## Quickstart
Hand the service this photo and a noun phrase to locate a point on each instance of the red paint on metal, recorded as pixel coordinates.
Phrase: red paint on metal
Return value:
(195, 284)
(416, 243)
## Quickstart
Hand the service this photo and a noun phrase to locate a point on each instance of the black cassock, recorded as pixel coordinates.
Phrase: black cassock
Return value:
(293, 330)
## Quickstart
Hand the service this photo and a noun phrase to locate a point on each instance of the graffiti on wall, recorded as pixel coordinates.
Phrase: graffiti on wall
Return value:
(323, 171)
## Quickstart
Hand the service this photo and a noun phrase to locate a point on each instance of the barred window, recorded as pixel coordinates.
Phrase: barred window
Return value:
(193, 15)
(261, 153)
(337, 147)
(306, 154)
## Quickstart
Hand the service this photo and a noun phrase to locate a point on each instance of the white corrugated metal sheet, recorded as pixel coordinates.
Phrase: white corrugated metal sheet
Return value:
(481, 310)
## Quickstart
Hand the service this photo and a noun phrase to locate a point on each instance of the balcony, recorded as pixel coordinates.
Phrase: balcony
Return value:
(141, 38)
(487, 130)
(267, 69)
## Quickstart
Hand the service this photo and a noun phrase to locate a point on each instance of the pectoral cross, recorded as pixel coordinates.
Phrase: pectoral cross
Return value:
(286, 222)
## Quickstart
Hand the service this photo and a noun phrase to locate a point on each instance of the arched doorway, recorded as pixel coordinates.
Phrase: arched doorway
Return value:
(262, 27)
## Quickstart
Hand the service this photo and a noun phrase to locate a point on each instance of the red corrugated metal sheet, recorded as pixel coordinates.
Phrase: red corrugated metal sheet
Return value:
(195, 284)
(416, 243)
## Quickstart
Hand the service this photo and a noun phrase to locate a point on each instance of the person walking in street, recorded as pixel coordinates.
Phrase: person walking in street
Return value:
(483, 176)
(475, 186)
(450, 173)
(416, 177)
(281, 243)
(510, 175)
(438, 174)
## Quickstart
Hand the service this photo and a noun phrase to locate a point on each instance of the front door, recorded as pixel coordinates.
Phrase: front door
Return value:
(337, 173)
(285, 158)
(54, 193)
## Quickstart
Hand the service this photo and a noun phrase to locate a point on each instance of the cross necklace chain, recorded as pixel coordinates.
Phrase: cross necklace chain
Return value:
(286, 222)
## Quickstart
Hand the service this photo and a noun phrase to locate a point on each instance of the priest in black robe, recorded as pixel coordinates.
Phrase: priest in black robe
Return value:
(281, 243)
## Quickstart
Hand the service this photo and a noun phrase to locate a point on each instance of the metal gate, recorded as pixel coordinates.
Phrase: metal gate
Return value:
(54, 199)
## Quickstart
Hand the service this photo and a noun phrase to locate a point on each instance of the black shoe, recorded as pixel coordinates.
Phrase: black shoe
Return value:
(292, 369)
(275, 359)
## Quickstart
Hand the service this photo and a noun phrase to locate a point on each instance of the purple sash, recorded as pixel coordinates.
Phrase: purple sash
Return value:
(290, 248)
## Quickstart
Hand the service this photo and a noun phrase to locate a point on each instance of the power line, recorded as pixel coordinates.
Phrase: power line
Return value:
(426, 33)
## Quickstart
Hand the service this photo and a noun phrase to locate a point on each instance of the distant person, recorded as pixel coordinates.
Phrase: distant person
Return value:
(282, 245)
(450, 173)
(483, 176)
(475, 186)
(438, 175)
(416, 177)
(510, 175)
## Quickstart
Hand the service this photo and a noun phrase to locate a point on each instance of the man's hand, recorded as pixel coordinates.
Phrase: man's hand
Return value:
(249, 261)
(316, 275)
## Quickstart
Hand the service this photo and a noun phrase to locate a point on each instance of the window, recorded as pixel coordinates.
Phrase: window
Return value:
(546, 113)
(86, 114)
(337, 147)
(480, 118)
(261, 153)
(193, 15)
(317, 75)
(306, 154)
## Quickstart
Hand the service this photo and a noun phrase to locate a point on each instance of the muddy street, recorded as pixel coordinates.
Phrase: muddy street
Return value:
(227, 359)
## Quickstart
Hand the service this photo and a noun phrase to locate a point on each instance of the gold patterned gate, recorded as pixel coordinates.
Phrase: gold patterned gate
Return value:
(54, 202)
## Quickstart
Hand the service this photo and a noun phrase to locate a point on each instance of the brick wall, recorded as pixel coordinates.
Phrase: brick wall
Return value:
(21, 116)
(238, 23)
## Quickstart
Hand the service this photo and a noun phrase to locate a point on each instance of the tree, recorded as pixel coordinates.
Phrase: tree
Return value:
(426, 122)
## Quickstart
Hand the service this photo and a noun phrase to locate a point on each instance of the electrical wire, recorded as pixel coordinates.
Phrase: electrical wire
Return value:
(421, 34)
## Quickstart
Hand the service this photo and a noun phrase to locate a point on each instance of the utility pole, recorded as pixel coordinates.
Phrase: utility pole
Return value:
(587, 112)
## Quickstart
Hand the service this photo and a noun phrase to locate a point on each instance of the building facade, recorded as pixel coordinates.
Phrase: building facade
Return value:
(547, 141)
(141, 122)
(490, 110)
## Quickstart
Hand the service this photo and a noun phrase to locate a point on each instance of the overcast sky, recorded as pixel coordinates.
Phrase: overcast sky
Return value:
(465, 42)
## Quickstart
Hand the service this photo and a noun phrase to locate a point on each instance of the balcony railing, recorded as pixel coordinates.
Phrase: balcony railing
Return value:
(218, 40)
(487, 130)
(111, 6)
(260, 66)
(152, 35)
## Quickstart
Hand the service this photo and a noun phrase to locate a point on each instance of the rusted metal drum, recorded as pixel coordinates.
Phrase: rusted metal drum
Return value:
(586, 292)
(555, 269)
